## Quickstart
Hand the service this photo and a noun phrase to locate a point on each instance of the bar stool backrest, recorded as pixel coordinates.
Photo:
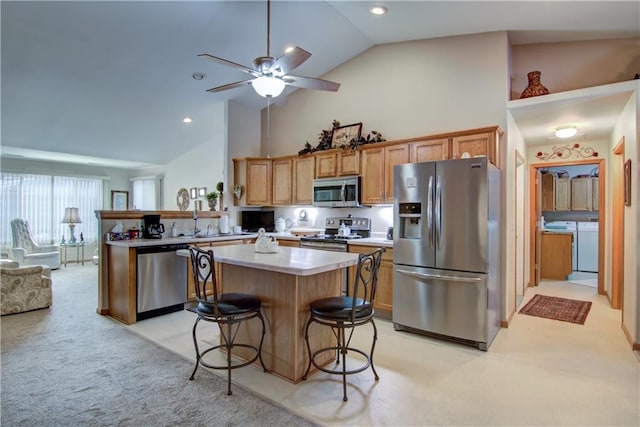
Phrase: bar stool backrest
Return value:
(366, 279)
(204, 277)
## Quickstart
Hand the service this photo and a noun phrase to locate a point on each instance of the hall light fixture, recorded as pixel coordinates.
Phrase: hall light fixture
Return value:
(378, 10)
(187, 120)
(268, 87)
(566, 131)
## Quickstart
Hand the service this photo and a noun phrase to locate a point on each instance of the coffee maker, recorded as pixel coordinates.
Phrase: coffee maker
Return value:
(153, 229)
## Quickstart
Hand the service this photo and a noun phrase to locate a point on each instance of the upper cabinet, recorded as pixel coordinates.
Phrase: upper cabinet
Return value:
(282, 179)
(584, 194)
(254, 174)
(377, 172)
(562, 196)
(288, 180)
(303, 172)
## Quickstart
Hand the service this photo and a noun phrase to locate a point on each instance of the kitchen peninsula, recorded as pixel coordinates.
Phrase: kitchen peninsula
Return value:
(286, 282)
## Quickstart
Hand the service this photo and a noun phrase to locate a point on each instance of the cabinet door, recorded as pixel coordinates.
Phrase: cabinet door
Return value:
(303, 172)
(348, 163)
(548, 192)
(383, 300)
(394, 155)
(562, 194)
(581, 197)
(258, 185)
(430, 150)
(595, 194)
(372, 165)
(282, 169)
(481, 144)
(326, 165)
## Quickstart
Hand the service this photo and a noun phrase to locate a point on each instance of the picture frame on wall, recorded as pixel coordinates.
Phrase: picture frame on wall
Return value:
(202, 191)
(193, 192)
(119, 200)
(627, 182)
(343, 135)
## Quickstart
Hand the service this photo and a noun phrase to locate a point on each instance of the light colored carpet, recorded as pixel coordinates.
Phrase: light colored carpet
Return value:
(69, 366)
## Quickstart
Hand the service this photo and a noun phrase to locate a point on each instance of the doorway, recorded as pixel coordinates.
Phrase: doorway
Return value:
(536, 224)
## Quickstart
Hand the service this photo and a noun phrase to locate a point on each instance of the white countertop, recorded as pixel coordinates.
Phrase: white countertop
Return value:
(136, 243)
(296, 261)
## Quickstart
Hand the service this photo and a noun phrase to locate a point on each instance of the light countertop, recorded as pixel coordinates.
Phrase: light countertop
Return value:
(137, 243)
(296, 261)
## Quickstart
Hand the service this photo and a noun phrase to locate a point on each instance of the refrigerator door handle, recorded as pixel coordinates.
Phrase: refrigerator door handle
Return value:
(438, 212)
(430, 211)
(439, 276)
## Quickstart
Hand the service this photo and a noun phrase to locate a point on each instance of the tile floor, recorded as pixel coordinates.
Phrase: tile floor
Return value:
(537, 372)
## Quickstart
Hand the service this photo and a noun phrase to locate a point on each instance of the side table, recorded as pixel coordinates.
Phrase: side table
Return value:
(79, 248)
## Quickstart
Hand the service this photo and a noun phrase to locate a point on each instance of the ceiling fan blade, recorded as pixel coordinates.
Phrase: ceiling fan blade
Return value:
(230, 64)
(311, 83)
(289, 61)
(229, 86)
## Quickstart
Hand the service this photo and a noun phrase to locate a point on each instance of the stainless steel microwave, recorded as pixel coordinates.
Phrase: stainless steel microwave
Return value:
(343, 192)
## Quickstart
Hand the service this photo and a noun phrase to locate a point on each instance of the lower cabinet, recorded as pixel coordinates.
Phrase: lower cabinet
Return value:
(557, 254)
(191, 287)
(289, 243)
(383, 302)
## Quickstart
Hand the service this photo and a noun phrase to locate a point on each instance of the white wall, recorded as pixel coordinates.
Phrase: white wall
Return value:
(204, 166)
(627, 127)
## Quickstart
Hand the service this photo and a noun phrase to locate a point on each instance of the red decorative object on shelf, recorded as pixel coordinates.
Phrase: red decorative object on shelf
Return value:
(535, 88)
(568, 151)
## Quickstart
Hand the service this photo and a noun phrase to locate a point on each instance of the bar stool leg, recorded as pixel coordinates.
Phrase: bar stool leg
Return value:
(195, 344)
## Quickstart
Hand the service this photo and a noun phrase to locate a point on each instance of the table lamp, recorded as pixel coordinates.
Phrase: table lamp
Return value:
(72, 218)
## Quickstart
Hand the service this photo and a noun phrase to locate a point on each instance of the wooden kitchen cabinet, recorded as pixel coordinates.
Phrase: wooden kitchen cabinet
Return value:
(484, 143)
(548, 192)
(282, 170)
(562, 194)
(326, 165)
(348, 163)
(304, 169)
(377, 172)
(430, 150)
(254, 174)
(582, 194)
(383, 302)
(556, 262)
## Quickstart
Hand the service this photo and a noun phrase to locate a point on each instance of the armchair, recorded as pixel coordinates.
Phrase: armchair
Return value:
(24, 288)
(27, 252)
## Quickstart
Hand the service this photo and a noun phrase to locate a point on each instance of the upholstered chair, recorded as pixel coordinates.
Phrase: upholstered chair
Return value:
(27, 252)
(24, 288)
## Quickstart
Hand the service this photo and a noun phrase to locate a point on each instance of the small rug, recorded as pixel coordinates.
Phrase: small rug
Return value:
(563, 309)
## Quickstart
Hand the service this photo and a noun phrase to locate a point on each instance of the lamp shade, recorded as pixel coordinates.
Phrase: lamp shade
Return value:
(268, 87)
(71, 216)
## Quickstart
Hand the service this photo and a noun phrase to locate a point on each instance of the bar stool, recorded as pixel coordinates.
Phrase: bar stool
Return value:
(227, 310)
(343, 314)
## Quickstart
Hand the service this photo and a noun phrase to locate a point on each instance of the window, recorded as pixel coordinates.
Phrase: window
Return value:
(41, 199)
(144, 193)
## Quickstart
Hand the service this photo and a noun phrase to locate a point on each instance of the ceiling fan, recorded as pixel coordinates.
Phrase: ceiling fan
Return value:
(271, 75)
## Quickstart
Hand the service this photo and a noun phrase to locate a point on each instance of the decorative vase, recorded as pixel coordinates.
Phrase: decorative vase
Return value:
(212, 204)
(535, 88)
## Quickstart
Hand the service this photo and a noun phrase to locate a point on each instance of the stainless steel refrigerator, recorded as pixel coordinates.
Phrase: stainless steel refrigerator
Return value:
(446, 250)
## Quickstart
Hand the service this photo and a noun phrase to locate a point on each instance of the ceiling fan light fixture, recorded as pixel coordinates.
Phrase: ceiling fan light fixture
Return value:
(566, 132)
(268, 87)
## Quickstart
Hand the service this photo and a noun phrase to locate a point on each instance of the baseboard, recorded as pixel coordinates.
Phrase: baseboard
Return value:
(634, 345)
(505, 323)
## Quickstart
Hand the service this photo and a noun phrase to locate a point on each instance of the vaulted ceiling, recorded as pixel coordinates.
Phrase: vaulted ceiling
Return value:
(109, 82)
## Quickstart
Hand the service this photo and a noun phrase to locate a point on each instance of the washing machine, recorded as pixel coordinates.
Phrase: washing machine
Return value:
(588, 246)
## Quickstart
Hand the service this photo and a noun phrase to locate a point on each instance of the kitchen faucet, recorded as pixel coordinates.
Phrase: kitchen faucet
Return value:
(209, 228)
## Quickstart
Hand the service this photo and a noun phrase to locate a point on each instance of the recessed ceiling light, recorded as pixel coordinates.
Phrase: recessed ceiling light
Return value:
(187, 120)
(378, 10)
(198, 76)
(566, 131)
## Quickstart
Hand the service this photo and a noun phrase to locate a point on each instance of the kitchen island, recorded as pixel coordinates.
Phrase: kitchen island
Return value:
(286, 282)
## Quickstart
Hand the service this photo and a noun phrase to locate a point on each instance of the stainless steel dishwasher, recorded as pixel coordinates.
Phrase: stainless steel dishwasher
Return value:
(161, 280)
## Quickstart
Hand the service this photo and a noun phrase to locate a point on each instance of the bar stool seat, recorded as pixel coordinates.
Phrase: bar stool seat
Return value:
(343, 314)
